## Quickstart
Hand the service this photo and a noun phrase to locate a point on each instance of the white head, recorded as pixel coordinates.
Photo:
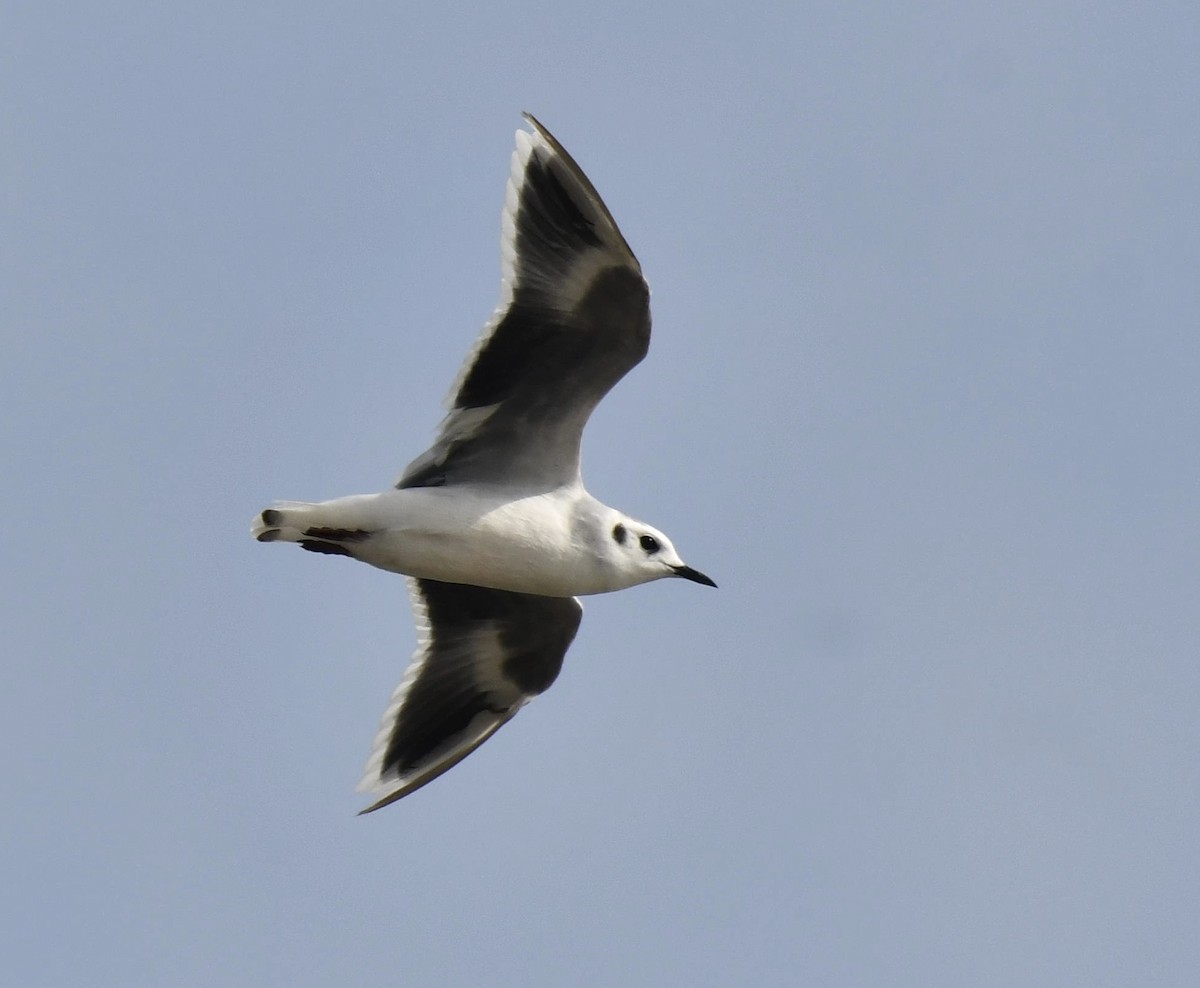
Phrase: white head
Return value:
(640, 553)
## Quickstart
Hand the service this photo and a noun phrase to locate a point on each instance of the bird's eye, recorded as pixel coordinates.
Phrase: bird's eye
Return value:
(619, 534)
(649, 543)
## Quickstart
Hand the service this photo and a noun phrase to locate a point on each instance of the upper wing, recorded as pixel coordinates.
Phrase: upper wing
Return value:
(482, 654)
(573, 318)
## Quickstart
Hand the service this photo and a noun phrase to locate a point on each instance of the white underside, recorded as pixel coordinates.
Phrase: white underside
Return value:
(527, 544)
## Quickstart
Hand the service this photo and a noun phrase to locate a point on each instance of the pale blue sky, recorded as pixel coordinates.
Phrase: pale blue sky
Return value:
(922, 398)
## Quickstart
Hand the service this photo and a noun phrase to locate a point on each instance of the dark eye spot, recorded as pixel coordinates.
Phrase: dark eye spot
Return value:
(649, 543)
(619, 534)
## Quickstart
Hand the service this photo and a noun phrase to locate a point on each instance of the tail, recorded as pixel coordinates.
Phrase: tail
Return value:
(284, 521)
(309, 525)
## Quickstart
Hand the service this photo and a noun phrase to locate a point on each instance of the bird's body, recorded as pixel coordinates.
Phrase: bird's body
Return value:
(492, 525)
(552, 542)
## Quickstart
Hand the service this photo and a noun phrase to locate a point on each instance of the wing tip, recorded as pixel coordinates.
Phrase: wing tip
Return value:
(395, 787)
(384, 801)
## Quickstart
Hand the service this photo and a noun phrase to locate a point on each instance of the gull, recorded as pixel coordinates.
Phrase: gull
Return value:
(492, 525)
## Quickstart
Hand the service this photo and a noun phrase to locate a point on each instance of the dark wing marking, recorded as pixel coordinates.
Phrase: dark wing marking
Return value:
(330, 541)
(573, 318)
(482, 655)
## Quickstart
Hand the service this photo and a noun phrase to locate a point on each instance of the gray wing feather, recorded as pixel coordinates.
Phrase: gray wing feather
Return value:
(482, 655)
(574, 317)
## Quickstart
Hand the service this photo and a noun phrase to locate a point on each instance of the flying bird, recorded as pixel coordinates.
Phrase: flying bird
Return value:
(492, 525)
